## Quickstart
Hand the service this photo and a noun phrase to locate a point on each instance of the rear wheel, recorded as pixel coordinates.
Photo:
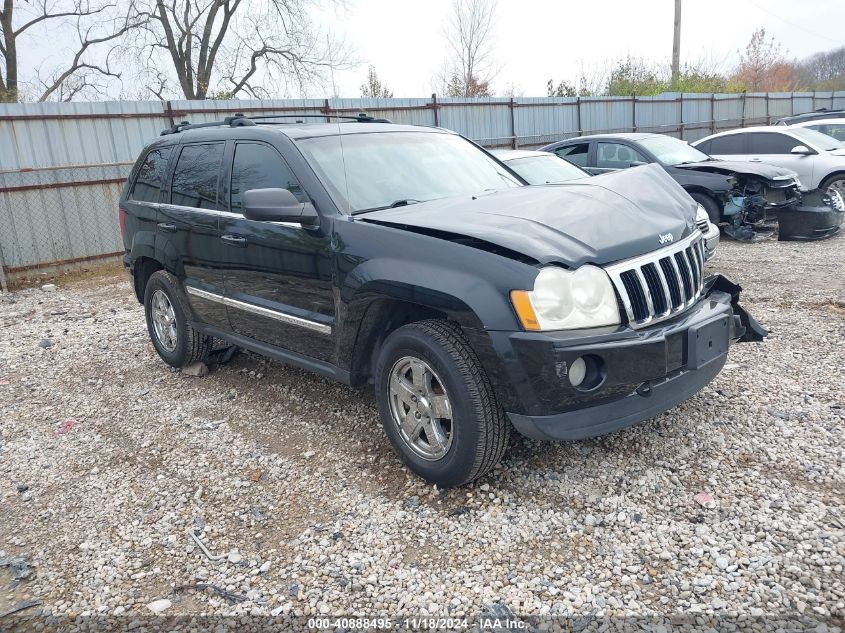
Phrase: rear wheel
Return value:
(714, 210)
(437, 405)
(166, 309)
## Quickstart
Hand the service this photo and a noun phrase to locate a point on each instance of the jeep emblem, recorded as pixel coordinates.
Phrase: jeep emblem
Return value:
(665, 237)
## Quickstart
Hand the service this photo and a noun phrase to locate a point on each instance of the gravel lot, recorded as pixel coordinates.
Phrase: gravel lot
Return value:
(108, 458)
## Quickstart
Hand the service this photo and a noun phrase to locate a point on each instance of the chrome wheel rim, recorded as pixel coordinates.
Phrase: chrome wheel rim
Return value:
(420, 408)
(164, 320)
(836, 193)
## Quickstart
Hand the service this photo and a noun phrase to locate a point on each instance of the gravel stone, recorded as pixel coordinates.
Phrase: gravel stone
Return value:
(159, 606)
(336, 525)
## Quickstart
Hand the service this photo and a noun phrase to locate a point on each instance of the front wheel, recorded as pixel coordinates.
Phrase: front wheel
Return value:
(437, 405)
(713, 208)
(834, 187)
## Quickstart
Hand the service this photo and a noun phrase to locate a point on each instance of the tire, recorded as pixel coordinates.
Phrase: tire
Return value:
(712, 207)
(476, 434)
(837, 182)
(189, 345)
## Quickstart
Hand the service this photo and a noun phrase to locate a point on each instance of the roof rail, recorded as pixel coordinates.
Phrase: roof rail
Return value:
(239, 120)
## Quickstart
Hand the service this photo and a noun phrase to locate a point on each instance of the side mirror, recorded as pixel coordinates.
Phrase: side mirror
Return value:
(278, 205)
(637, 163)
(801, 149)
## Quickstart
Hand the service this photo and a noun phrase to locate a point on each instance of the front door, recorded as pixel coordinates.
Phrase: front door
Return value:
(774, 148)
(278, 275)
(189, 230)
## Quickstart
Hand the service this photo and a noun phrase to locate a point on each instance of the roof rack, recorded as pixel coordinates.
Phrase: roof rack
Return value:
(239, 120)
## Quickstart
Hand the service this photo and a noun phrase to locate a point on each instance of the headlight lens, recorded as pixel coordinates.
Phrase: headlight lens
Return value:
(565, 299)
(701, 214)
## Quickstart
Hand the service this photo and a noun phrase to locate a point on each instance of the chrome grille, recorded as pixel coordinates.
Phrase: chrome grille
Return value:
(659, 285)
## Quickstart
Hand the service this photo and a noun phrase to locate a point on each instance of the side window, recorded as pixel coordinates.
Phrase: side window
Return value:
(576, 154)
(258, 166)
(151, 176)
(771, 143)
(617, 156)
(729, 144)
(195, 177)
(704, 147)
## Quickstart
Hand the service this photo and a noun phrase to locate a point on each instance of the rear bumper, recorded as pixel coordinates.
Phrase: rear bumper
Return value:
(641, 374)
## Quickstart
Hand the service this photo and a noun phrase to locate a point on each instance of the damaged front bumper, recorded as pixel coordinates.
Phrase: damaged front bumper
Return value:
(632, 375)
(815, 217)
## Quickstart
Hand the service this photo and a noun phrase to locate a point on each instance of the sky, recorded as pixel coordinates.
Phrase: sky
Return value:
(538, 40)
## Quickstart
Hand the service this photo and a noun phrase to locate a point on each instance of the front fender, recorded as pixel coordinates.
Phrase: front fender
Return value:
(466, 297)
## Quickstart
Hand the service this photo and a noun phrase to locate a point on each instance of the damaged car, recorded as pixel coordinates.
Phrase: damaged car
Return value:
(743, 198)
(818, 159)
(544, 168)
(410, 259)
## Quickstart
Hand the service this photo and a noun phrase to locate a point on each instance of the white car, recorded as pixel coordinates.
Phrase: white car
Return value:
(818, 159)
(831, 127)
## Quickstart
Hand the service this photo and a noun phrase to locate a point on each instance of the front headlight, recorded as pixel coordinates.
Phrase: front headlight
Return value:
(701, 214)
(567, 299)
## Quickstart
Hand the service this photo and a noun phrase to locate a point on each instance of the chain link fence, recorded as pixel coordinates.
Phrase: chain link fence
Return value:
(56, 218)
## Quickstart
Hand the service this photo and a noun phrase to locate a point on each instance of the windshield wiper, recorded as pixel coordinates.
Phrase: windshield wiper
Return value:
(404, 202)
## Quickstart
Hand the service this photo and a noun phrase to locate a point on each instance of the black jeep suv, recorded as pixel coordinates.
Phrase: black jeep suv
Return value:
(412, 259)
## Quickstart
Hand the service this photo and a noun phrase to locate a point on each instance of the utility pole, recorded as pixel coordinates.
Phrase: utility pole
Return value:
(676, 45)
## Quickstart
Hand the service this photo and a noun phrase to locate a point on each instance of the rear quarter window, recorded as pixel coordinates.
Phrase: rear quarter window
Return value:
(576, 154)
(151, 175)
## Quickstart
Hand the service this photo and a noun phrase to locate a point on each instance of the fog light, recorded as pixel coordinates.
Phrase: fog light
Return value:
(577, 371)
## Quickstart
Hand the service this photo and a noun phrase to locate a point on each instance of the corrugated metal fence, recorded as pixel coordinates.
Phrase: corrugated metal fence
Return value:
(62, 165)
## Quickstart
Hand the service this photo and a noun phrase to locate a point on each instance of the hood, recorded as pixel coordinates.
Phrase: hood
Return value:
(597, 220)
(729, 167)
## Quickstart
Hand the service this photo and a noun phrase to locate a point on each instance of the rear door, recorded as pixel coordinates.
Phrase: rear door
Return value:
(189, 228)
(142, 204)
(729, 147)
(278, 275)
(774, 148)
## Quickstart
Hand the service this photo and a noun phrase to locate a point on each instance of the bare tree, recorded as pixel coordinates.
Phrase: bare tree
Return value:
(95, 25)
(469, 33)
(374, 87)
(256, 47)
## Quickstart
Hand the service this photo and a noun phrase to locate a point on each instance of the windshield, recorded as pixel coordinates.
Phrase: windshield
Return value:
(836, 130)
(671, 151)
(370, 171)
(816, 139)
(545, 170)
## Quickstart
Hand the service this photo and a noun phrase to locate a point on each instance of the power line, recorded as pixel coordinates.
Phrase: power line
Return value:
(797, 26)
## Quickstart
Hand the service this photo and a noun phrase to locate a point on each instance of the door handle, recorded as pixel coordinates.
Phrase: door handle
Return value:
(755, 160)
(234, 240)
(167, 228)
